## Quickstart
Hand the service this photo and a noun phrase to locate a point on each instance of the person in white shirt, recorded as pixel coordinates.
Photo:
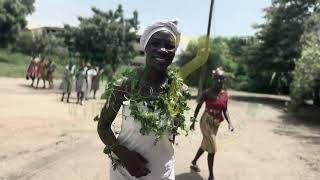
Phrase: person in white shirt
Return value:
(91, 72)
(81, 83)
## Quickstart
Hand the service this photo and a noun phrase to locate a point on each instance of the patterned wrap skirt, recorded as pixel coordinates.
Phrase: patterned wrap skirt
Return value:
(209, 127)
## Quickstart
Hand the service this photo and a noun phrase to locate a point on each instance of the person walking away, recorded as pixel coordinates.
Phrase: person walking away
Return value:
(32, 71)
(81, 83)
(67, 81)
(50, 68)
(96, 81)
(91, 72)
(41, 73)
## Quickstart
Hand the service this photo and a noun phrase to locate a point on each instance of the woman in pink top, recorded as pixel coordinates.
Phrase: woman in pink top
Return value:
(216, 99)
(32, 71)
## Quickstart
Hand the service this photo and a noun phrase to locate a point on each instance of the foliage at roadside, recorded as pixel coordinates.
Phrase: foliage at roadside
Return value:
(306, 76)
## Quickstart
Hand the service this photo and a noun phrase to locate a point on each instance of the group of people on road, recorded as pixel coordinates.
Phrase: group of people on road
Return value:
(41, 70)
(83, 80)
(86, 79)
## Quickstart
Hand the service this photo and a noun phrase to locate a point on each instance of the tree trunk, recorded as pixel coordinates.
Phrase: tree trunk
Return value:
(202, 79)
(316, 97)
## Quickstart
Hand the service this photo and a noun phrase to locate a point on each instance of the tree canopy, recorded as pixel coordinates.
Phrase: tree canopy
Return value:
(273, 58)
(13, 19)
(306, 76)
(104, 38)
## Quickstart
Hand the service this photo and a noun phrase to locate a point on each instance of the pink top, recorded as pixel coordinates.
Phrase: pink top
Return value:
(215, 107)
(33, 68)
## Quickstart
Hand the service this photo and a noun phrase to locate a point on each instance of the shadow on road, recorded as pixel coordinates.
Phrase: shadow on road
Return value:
(189, 176)
(311, 139)
(307, 117)
(40, 89)
(269, 101)
(26, 86)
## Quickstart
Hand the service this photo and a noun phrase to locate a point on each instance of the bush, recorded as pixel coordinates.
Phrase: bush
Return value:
(24, 43)
(307, 73)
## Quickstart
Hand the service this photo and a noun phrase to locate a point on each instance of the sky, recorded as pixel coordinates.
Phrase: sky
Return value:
(231, 17)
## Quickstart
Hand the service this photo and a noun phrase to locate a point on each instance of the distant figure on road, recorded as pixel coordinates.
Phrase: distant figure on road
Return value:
(32, 71)
(41, 73)
(67, 80)
(96, 81)
(81, 83)
(49, 70)
(216, 99)
(91, 72)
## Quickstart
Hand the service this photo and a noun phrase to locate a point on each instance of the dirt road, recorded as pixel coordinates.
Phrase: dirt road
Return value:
(45, 139)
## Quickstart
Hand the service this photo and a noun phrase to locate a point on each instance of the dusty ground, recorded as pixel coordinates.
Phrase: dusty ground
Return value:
(44, 139)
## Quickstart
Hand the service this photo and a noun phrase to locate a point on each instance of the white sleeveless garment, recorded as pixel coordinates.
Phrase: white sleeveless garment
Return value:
(159, 156)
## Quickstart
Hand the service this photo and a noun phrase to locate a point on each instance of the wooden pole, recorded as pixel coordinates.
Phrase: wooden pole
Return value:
(204, 67)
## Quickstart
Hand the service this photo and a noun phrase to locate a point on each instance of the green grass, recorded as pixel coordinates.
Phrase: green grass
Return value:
(14, 64)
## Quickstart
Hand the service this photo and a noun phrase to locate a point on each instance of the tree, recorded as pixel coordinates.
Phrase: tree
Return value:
(239, 48)
(104, 38)
(219, 55)
(306, 81)
(47, 45)
(279, 44)
(24, 43)
(13, 19)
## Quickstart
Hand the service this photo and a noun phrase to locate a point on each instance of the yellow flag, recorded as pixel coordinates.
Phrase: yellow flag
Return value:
(200, 59)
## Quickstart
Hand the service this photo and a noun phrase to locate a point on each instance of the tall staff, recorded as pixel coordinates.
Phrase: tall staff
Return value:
(204, 67)
(202, 55)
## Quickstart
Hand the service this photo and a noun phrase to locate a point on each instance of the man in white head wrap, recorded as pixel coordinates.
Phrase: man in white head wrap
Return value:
(170, 26)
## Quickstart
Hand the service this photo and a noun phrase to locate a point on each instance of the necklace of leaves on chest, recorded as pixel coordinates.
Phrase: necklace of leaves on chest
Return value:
(151, 90)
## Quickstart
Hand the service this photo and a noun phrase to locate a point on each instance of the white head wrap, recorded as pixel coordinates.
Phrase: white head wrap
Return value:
(170, 26)
(219, 71)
